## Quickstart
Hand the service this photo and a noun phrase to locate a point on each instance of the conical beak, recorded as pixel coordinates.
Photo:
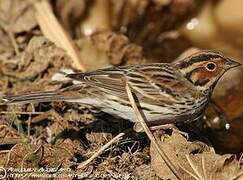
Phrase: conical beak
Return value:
(231, 64)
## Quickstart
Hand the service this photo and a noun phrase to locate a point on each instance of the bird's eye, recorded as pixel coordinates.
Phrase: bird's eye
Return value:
(211, 66)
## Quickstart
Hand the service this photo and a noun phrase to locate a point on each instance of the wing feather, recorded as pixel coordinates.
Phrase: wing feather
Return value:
(154, 84)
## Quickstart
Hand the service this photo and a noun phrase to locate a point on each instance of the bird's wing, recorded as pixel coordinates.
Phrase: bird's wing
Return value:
(154, 83)
(157, 84)
(110, 80)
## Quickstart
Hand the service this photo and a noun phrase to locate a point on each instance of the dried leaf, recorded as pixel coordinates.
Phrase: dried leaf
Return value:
(41, 58)
(17, 16)
(193, 159)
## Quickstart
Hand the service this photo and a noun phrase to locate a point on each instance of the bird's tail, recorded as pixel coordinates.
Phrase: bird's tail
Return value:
(65, 94)
(39, 96)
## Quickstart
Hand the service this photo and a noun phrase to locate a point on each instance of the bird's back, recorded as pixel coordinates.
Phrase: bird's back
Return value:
(161, 93)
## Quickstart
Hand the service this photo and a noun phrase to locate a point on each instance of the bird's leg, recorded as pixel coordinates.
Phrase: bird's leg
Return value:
(138, 128)
(163, 126)
(169, 126)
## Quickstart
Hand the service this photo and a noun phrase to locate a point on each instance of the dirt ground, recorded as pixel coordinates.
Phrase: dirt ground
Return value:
(52, 139)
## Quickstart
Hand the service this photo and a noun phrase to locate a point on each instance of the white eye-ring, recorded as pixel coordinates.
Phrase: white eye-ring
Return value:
(211, 66)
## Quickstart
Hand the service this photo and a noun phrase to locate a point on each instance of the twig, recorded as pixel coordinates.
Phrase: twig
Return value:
(29, 119)
(102, 149)
(9, 141)
(13, 41)
(149, 134)
(52, 29)
(4, 151)
(238, 176)
(20, 112)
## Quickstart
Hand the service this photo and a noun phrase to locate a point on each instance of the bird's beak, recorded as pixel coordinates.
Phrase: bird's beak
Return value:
(231, 64)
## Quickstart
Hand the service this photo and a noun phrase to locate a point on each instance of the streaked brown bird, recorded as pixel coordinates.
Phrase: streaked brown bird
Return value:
(165, 93)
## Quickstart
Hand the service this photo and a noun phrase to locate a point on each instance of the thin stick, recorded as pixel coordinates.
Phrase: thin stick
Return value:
(20, 112)
(8, 141)
(52, 29)
(13, 41)
(149, 134)
(29, 119)
(4, 151)
(102, 149)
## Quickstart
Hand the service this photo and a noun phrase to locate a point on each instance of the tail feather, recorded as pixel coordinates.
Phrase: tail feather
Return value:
(41, 96)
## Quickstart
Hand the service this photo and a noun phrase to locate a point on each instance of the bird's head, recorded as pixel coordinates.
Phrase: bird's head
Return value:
(204, 68)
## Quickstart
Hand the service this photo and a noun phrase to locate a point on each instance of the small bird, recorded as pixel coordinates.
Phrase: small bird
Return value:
(165, 92)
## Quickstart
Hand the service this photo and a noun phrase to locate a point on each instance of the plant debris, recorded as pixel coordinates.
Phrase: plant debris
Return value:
(52, 139)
